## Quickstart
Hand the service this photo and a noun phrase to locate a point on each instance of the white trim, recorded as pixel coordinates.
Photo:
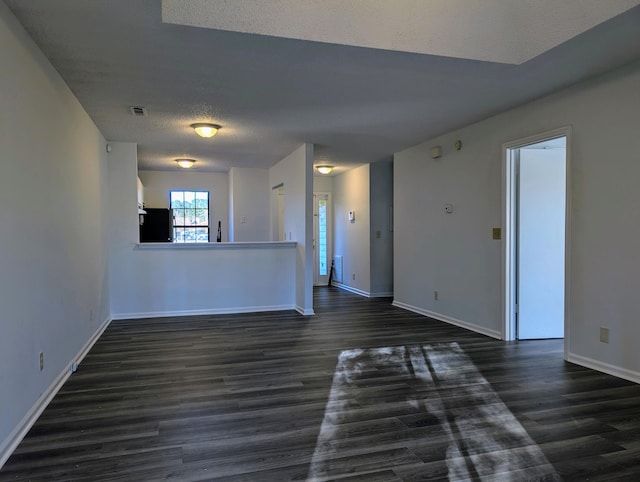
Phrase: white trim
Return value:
(210, 311)
(381, 294)
(508, 247)
(303, 312)
(366, 294)
(449, 319)
(18, 433)
(616, 371)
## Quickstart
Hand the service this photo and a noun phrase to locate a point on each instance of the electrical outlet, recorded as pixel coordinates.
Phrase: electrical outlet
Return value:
(435, 295)
(353, 276)
(604, 334)
(41, 361)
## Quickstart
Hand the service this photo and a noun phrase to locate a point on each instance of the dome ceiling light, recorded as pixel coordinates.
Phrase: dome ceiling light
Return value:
(204, 129)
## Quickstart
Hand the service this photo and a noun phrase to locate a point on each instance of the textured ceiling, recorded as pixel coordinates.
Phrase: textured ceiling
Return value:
(271, 94)
(504, 31)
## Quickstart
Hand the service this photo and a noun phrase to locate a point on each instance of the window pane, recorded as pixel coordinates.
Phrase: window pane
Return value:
(202, 217)
(178, 235)
(178, 217)
(189, 217)
(322, 235)
(189, 235)
(189, 199)
(177, 199)
(202, 235)
(202, 199)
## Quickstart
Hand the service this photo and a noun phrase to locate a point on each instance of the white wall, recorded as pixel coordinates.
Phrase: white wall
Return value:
(456, 255)
(248, 204)
(53, 254)
(322, 183)
(352, 239)
(158, 184)
(381, 237)
(170, 280)
(295, 173)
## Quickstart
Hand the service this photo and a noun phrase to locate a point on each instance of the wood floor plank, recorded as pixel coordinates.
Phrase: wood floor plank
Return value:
(260, 397)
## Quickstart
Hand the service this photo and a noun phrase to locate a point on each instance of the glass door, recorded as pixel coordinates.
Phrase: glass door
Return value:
(321, 238)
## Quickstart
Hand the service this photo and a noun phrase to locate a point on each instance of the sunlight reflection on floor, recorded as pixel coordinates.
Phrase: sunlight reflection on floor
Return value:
(421, 408)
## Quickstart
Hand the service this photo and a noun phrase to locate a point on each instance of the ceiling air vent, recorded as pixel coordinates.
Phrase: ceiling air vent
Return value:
(138, 111)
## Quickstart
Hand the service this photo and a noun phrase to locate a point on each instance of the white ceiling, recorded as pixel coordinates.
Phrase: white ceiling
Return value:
(505, 31)
(271, 94)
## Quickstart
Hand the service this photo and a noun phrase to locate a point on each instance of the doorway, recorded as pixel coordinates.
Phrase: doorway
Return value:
(536, 236)
(321, 238)
(277, 213)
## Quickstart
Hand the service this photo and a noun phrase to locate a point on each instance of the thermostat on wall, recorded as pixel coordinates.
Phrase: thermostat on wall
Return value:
(352, 216)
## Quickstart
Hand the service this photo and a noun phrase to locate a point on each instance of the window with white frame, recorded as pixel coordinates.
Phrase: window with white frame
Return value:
(190, 216)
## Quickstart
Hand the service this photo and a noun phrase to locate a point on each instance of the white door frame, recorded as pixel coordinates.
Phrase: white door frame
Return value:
(509, 245)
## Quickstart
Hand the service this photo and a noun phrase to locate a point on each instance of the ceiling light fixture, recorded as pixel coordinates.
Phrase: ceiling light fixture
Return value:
(185, 163)
(204, 129)
(324, 169)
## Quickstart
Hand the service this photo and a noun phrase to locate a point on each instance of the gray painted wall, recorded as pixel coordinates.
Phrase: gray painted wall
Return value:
(381, 201)
(456, 255)
(53, 256)
(352, 238)
(295, 173)
(367, 190)
(249, 192)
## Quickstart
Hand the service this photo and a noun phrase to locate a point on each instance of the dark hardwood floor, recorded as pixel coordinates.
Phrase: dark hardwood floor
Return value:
(361, 391)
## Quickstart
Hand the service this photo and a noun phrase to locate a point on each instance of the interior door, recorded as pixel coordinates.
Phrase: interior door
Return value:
(541, 181)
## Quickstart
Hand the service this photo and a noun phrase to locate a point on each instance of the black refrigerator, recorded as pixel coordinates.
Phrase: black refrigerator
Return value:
(156, 226)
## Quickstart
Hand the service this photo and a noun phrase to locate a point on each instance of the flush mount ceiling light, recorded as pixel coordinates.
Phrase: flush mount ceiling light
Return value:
(204, 129)
(185, 163)
(324, 169)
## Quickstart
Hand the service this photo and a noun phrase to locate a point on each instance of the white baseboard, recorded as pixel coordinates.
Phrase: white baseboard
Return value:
(381, 294)
(211, 311)
(448, 319)
(616, 371)
(305, 312)
(351, 289)
(366, 294)
(15, 437)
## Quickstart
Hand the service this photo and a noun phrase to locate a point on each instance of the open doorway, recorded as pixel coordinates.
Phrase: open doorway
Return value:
(536, 236)
(277, 213)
